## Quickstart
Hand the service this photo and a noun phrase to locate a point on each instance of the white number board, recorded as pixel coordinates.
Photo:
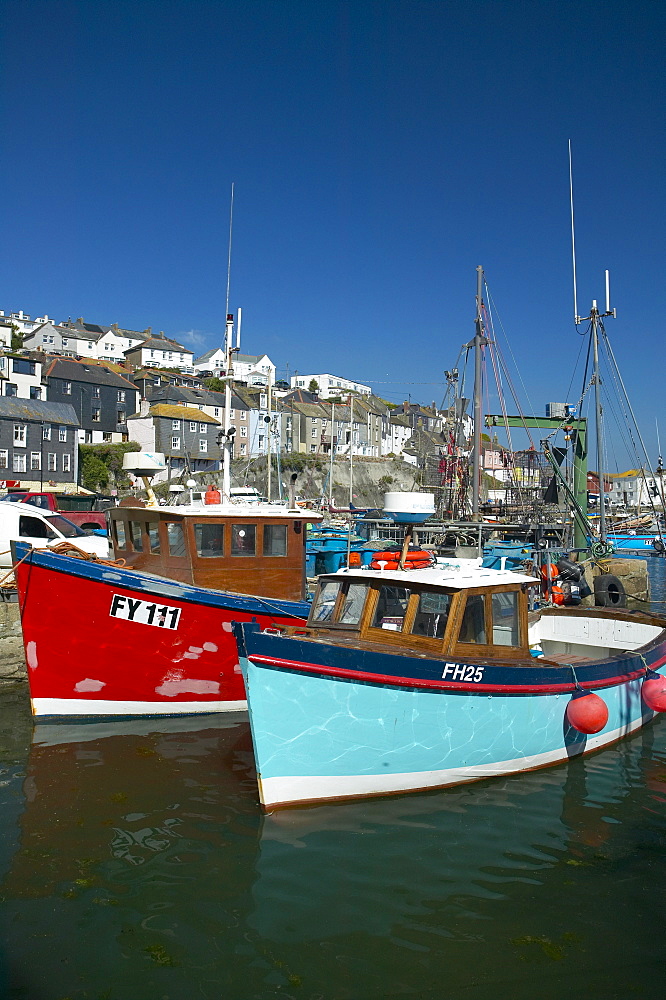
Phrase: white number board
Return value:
(144, 612)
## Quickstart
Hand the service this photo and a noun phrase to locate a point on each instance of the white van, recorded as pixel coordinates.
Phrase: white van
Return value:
(21, 522)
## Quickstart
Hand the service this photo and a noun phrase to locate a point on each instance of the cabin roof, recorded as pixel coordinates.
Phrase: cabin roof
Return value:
(458, 576)
(234, 511)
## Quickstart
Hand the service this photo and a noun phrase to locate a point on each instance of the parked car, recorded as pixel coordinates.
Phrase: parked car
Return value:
(25, 523)
(84, 509)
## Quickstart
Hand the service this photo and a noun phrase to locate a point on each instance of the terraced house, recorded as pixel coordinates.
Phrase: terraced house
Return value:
(186, 436)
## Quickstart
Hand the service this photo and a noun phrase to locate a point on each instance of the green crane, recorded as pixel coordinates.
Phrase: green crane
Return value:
(578, 433)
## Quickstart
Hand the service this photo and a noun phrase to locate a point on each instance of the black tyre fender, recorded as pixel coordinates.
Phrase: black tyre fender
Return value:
(658, 546)
(609, 592)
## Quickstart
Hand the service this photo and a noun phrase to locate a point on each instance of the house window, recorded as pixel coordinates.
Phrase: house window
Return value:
(23, 367)
(216, 411)
(202, 428)
(243, 449)
(203, 445)
(175, 425)
(20, 431)
(106, 436)
(96, 414)
(65, 341)
(175, 444)
(243, 432)
(67, 388)
(242, 414)
(11, 389)
(314, 432)
(95, 392)
(35, 460)
(52, 463)
(120, 417)
(232, 414)
(193, 426)
(66, 463)
(4, 458)
(62, 434)
(46, 432)
(313, 448)
(18, 463)
(35, 392)
(121, 395)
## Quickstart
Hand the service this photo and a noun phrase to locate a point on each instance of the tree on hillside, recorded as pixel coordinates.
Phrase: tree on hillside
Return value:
(313, 386)
(214, 384)
(17, 338)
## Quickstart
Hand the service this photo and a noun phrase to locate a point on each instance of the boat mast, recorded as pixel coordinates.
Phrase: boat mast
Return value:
(351, 450)
(595, 319)
(229, 431)
(478, 342)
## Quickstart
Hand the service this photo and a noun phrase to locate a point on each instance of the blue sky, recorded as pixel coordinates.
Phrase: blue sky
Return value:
(380, 151)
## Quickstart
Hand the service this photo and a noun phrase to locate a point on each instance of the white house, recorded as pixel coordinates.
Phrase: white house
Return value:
(160, 352)
(255, 369)
(113, 343)
(60, 339)
(22, 321)
(330, 385)
(212, 361)
(21, 377)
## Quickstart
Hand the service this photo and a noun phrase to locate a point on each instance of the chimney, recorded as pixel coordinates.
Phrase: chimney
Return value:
(405, 407)
(144, 407)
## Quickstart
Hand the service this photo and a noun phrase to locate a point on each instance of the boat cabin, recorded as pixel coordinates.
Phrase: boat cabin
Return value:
(253, 548)
(480, 614)
(463, 617)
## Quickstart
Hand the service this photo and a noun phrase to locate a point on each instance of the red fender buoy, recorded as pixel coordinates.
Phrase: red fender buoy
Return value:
(653, 692)
(587, 712)
(212, 495)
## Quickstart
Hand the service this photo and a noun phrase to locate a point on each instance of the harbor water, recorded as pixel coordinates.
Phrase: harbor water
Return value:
(135, 864)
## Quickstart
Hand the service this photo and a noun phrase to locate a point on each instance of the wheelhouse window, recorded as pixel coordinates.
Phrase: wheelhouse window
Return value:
(175, 539)
(432, 613)
(391, 608)
(506, 630)
(275, 540)
(353, 604)
(209, 540)
(473, 626)
(119, 529)
(154, 536)
(323, 608)
(243, 539)
(136, 535)
(339, 602)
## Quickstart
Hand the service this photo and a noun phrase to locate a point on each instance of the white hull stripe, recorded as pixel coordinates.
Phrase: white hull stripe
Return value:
(53, 707)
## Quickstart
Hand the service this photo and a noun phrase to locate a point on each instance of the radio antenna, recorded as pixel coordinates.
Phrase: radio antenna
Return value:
(573, 239)
(231, 223)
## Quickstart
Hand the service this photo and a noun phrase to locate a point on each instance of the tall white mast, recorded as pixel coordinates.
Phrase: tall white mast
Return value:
(229, 432)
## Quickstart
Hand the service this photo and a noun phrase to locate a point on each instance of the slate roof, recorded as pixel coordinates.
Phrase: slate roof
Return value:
(84, 371)
(13, 408)
(207, 355)
(160, 344)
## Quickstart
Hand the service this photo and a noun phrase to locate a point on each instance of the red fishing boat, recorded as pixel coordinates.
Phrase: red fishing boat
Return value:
(149, 632)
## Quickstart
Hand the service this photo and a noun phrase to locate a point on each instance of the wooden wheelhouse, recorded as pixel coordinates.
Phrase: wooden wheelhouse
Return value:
(409, 614)
(247, 549)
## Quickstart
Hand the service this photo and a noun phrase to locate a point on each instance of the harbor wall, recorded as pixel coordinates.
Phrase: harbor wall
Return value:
(12, 657)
